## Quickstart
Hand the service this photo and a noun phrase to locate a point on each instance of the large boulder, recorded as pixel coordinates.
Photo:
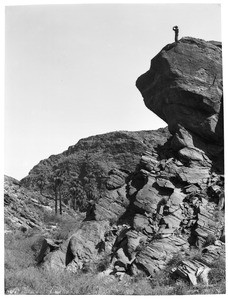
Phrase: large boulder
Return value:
(184, 87)
(155, 256)
(86, 244)
(111, 206)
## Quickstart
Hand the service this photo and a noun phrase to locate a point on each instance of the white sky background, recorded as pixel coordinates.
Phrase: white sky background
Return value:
(70, 71)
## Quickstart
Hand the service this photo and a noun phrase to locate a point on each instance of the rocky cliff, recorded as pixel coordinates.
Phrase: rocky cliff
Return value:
(162, 193)
(184, 87)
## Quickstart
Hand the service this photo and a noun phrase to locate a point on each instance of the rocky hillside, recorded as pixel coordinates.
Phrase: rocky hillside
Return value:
(23, 209)
(26, 210)
(154, 194)
(86, 166)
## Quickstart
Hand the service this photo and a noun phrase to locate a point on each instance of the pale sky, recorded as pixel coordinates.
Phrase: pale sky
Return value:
(70, 71)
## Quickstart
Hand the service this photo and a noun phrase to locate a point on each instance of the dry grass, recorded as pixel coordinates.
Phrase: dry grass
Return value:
(22, 276)
(66, 225)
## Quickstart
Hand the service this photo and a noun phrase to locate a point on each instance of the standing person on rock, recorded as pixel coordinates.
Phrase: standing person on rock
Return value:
(176, 29)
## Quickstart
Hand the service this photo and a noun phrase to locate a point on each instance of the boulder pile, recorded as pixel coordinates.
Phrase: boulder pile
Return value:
(160, 216)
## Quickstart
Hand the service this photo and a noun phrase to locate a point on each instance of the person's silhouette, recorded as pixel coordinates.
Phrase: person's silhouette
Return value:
(176, 29)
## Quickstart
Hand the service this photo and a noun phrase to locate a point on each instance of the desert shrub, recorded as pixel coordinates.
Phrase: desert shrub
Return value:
(139, 277)
(50, 217)
(175, 260)
(87, 268)
(181, 287)
(103, 263)
(113, 221)
(66, 227)
(165, 277)
(218, 215)
(18, 251)
(217, 274)
(164, 282)
(209, 240)
(66, 224)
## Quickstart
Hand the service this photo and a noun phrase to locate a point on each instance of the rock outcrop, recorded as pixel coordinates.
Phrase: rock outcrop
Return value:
(174, 200)
(162, 215)
(184, 87)
(86, 245)
(162, 194)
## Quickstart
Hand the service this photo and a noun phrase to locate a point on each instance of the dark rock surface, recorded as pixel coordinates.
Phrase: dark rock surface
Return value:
(184, 87)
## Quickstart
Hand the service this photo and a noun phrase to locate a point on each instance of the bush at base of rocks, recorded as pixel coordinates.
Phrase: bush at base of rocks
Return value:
(21, 249)
(61, 226)
(103, 263)
(217, 274)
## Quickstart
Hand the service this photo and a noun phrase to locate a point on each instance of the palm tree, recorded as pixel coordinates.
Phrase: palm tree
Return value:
(78, 194)
(56, 180)
(41, 183)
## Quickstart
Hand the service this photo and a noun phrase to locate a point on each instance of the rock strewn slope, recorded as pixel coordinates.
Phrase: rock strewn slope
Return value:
(26, 209)
(89, 164)
(165, 208)
(23, 209)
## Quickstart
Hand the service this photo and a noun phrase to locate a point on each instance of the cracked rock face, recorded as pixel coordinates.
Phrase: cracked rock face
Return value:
(184, 87)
